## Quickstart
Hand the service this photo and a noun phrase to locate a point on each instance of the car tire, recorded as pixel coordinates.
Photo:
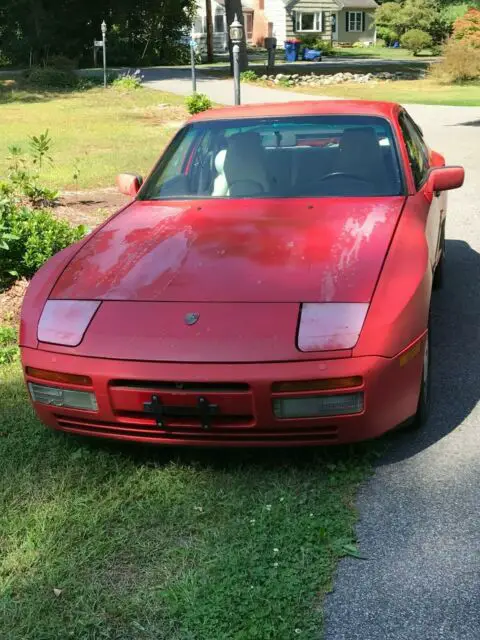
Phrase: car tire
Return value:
(424, 400)
(439, 274)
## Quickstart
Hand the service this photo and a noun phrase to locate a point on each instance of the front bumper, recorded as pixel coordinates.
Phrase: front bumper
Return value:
(243, 392)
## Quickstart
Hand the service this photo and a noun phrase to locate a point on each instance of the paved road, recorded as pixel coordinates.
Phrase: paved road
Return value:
(420, 514)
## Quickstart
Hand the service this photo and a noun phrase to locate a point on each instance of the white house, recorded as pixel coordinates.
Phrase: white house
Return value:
(219, 19)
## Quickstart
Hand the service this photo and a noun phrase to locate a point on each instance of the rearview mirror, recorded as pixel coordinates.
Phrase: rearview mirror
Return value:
(129, 183)
(445, 178)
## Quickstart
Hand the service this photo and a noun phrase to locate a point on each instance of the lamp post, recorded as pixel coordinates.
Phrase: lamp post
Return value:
(104, 40)
(193, 49)
(193, 46)
(236, 36)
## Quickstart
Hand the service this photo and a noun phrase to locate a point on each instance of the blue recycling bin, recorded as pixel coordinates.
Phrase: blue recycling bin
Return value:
(312, 55)
(292, 49)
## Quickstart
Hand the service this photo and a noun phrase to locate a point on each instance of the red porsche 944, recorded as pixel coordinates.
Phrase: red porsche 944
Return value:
(269, 284)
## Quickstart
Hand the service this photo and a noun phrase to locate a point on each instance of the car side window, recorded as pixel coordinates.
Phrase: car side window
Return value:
(416, 149)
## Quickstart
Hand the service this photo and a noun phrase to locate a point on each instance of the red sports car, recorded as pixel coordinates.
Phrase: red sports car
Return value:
(269, 284)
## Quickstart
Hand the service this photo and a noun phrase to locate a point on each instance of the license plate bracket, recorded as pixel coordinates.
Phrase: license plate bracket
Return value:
(204, 410)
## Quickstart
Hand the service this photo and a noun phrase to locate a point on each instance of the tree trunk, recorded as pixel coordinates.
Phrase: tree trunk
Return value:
(208, 6)
(234, 8)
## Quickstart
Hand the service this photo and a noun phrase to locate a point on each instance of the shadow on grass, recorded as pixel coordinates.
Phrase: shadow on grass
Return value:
(18, 91)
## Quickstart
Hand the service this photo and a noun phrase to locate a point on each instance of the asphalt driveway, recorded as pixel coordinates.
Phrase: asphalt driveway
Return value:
(420, 514)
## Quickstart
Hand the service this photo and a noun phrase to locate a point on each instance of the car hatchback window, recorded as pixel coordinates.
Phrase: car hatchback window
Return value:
(312, 156)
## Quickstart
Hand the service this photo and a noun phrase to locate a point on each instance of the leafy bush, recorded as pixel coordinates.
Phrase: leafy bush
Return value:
(460, 63)
(34, 237)
(49, 78)
(129, 81)
(198, 102)
(394, 19)
(467, 28)
(248, 76)
(24, 173)
(62, 63)
(8, 345)
(416, 40)
(387, 34)
(314, 42)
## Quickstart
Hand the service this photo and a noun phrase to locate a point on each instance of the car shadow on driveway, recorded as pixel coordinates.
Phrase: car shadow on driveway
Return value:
(455, 341)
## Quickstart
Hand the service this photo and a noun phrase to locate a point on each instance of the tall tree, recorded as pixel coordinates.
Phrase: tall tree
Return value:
(234, 8)
(208, 13)
(146, 32)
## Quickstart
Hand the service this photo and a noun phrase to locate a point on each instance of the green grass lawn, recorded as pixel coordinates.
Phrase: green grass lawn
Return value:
(120, 543)
(162, 544)
(404, 91)
(109, 131)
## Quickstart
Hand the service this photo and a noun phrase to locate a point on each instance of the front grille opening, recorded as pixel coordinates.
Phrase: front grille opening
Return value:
(225, 435)
(186, 420)
(195, 387)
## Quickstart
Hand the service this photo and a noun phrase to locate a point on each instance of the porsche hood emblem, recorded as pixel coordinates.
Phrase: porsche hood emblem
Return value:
(192, 318)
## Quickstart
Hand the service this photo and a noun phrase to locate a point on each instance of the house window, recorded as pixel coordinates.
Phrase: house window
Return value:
(355, 21)
(308, 21)
(248, 19)
(198, 25)
(219, 23)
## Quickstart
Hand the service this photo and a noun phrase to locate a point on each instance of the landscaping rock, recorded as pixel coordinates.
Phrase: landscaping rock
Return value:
(298, 80)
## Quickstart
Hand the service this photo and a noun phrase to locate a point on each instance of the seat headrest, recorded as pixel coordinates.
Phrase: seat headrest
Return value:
(220, 161)
(358, 138)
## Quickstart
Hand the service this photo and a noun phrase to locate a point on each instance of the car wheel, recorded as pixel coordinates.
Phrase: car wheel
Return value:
(423, 408)
(439, 275)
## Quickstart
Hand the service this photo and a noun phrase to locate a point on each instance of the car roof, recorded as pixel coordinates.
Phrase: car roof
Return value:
(387, 110)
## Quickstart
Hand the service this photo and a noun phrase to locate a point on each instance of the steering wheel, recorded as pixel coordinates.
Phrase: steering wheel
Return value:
(343, 174)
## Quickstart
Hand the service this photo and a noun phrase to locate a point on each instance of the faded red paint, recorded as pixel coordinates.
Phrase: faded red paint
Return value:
(246, 268)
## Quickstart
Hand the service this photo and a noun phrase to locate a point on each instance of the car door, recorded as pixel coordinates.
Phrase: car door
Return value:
(421, 159)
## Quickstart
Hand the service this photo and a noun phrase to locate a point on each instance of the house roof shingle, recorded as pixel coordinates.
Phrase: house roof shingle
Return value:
(358, 4)
(344, 4)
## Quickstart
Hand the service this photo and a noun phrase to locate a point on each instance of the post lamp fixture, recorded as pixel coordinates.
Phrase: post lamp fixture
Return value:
(236, 31)
(236, 37)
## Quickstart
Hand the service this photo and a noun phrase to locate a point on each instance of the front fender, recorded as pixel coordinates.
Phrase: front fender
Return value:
(399, 310)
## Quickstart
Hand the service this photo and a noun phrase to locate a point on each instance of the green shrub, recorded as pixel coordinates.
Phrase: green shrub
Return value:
(24, 173)
(49, 78)
(460, 63)
(387, 35)
(314, 42)
(8, 345)
(61, 63)
(198, 102)
(416, 40)
(34, 237)
(248, 76)
(128, 81)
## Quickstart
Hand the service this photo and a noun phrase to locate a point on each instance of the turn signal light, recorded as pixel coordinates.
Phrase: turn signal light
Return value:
(54, 376)
(317, 385)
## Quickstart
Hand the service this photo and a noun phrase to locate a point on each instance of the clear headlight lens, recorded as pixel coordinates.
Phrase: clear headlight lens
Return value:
(57, 397)
(318, 406)
(64, 322)
(330, 326)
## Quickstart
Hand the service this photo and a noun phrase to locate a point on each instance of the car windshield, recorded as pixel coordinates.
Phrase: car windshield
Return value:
(279, 158)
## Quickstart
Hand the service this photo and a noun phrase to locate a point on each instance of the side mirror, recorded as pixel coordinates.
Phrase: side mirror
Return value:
(129, 183)
(445, 178)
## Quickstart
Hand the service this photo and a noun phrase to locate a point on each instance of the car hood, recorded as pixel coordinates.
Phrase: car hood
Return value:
(221, 251)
